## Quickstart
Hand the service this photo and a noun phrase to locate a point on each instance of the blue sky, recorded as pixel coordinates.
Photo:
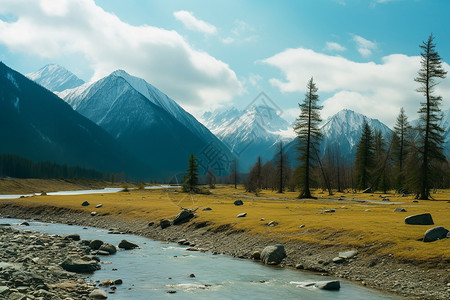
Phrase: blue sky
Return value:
(209, 54)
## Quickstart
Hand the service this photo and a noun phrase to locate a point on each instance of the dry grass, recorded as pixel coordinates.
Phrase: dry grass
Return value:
(370, 226)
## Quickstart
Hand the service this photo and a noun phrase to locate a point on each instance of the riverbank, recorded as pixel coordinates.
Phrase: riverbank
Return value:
(369, 269)
(391, 256)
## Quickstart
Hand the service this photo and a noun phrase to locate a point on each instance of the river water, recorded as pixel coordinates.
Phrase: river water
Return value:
(155, 268)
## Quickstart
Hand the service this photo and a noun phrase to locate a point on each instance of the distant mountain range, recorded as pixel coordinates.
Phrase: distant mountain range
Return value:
(38, 125)
(149, 124)
(55, 78)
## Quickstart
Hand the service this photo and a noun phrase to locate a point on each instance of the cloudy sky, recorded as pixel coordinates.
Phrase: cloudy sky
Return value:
(363, 54)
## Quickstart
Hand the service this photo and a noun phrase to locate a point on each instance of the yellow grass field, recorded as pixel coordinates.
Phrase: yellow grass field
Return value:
(370, 225)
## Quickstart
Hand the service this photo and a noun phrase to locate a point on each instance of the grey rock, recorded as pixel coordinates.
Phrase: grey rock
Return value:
(165, 223)
(241, 215)
(329, 211)
(98, 205)
(338, 260)
(111, 249)
(124, 244)
(273, 254)
(302, 226)
(72, 236)
(85, 203)
(299, 266)
(17, 296)
(25, 224)
(3, 289)
(238, 202)
(348, 254)
(78, 265)
(399, 209)
(421, 219)
(434, 234)
(329, 285)
(118, 281)
(95, 244)
(183, 217)
(207, 208)
(256, 255)
(98, 294)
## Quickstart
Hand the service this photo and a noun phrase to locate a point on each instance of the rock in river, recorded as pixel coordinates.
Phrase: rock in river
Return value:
(95, 244)
(329, 285)
(422, 219)
(111, 249)
(98, 294)
(434, 234)
(124, 244)
(78, 265)
(273, 254)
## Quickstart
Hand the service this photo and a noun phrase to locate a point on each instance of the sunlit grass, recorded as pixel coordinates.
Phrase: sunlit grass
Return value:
(369, 226)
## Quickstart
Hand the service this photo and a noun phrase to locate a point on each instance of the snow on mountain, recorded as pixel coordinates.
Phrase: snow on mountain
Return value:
(55, 78)
(151, 123)
(249, 133)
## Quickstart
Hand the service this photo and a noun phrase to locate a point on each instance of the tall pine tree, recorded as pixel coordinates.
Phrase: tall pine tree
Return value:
(431, 134)
(191, 178)
(400, 144)
(364, 161)
(308, 136)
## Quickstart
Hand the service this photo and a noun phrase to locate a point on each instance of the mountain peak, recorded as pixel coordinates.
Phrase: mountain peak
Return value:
(55, 78)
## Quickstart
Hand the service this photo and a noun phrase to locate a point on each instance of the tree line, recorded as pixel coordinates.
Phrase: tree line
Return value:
(410, 161)
(19, 167)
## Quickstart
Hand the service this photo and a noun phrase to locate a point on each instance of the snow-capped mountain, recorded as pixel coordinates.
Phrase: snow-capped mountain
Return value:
(55, 78)
(36, 124)
(151, 124)
(341, 133)
(249, 133)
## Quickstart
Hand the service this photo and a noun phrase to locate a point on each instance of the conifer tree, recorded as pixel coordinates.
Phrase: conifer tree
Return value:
(280, 164)
(364, 161)
(400, 147)
(254, 181)
(308, 136)
(431, 134)
(191, 178)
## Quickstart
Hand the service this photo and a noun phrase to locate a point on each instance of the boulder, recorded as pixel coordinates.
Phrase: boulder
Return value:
(184, 216)
(98, 205)
(124, 244)
(338, 260)
(241, 215)
(25, 224)
(98, 294)
(95, 244)
(421, 219)
(72, 236)
(329, 285)
(85, 203)
(111, 249)
(399, 209)
(165, 223)
(78, 265)
(256, 255)
(207, 208)
(434, 234)
(238, 202)
(273, 254)
(348, 254)
(93, 213)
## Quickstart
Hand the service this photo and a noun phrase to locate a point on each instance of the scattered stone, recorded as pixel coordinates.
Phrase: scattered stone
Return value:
(415, 201)
(93, 213)
(367, 210)
(302, 226)
(348, 254)
(434, 234)
(78, 265)
(241, 215)
(184, 216)
(421, 219)
(85, 203)
(299, 266)
(127, 245)
(329, 285)
(256, 255)
(329, 211)
(43, 193)
(182, 241)
(207, 208)
(272, 224)
(72, 236)
(338, 260)
(399, 209)
(273, 254)
(164, 223)
(262, 219)
(192, 275)
(98, 294)
(98, 205)
(238, 202)
(151, 224)
(25, 224)
(95, 244)
(106, 283)
(111, 249)
(171, 292)
(118, 281)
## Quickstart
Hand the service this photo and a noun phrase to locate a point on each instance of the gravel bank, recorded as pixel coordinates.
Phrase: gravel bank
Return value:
(368, 269)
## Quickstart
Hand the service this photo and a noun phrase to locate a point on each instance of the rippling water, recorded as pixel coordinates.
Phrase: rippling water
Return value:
(145, 272)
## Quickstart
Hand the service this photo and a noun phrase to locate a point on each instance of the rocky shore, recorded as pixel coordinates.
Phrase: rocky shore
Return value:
(364, 267)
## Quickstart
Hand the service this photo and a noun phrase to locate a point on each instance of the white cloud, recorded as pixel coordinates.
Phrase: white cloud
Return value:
(241, 32)
(192, 23)
(376, 90)
(333, 46)
(83, 29)
(365, 47)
